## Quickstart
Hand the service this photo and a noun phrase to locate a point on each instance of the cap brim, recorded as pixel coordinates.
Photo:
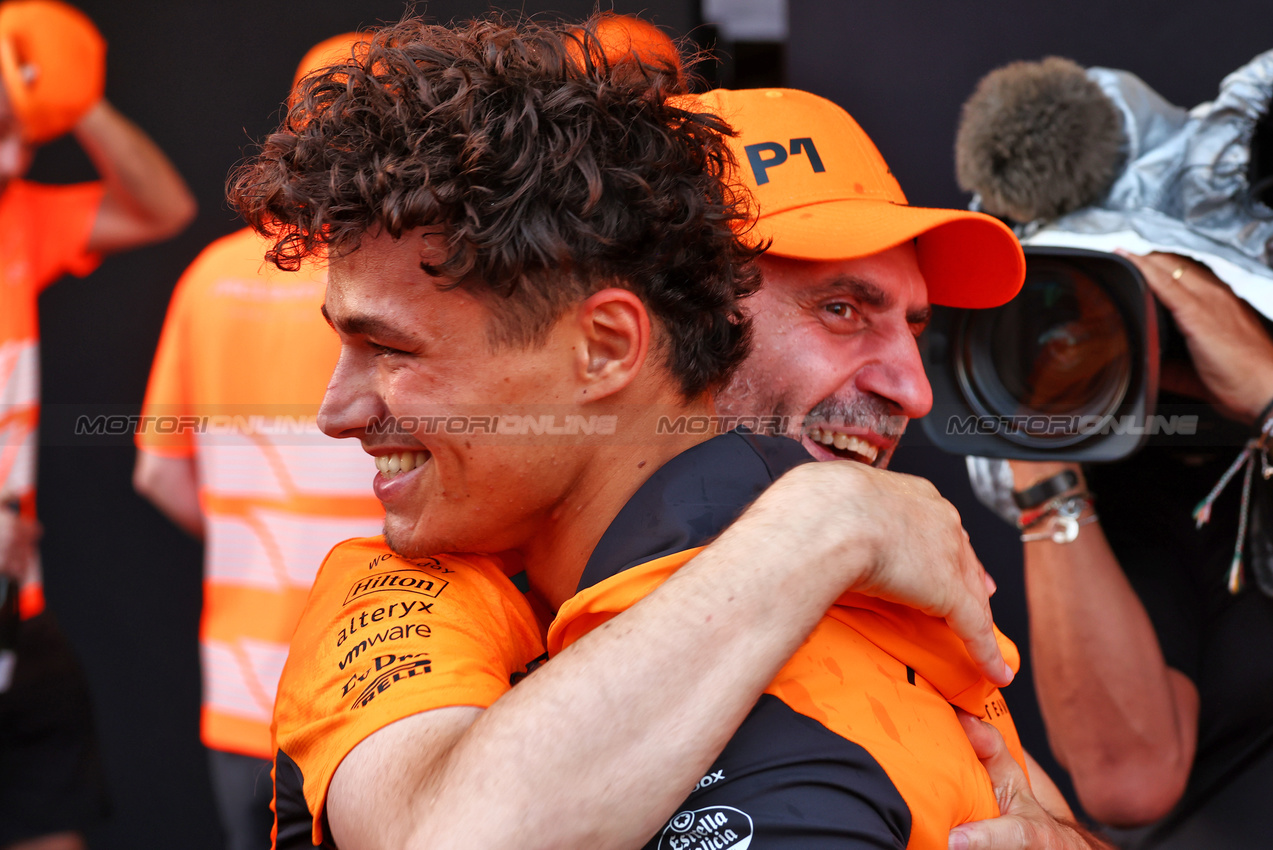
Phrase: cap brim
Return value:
(968, 259)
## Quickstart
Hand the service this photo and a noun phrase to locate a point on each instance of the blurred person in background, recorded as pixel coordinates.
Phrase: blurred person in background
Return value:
(52, 64)
(244, 340)
(231, 453)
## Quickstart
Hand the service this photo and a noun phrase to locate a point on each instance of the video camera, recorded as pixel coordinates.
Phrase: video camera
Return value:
(1084, 161)
(1066, 370)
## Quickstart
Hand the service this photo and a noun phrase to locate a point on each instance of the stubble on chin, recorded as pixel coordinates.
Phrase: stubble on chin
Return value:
(401, 541)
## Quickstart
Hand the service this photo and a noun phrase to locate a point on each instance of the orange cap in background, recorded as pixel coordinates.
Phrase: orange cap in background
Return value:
(52, 64)
(824, 192)
(329, 51)
(622, 38)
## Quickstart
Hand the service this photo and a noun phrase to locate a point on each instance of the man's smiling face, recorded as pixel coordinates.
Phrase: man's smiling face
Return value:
(412, 352)
(836, 353)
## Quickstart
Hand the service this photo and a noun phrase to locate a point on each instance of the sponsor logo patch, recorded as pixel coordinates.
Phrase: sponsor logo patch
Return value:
(712, 828)
(388, 669)
(405, 581)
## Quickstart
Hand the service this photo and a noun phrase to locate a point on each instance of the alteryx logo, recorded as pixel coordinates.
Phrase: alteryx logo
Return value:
(766, 155)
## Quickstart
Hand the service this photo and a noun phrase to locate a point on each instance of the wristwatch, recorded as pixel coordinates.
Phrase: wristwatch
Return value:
(1045, 490)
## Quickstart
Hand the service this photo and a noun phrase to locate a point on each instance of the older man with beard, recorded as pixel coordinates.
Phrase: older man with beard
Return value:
(849, 273)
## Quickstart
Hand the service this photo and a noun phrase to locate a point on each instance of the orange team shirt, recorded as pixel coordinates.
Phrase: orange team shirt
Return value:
(44, 233)
(383, 637)
(238, 377)
(854, 743)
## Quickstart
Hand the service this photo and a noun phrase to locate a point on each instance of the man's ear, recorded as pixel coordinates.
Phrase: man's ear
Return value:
(614, 341)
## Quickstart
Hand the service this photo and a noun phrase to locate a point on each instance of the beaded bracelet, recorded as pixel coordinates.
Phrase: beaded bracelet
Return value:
(1064, 516)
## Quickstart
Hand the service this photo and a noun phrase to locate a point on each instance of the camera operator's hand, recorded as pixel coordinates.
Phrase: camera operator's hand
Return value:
(1231, 352)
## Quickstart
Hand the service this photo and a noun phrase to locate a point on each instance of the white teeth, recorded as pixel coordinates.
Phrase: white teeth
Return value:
(391, 465)
(845, 442)
(859, 446)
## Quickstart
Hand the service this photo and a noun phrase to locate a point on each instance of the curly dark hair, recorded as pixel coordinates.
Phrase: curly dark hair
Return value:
(552, 170)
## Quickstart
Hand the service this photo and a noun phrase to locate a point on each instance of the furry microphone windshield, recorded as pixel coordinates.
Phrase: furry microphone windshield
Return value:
(1038, 140)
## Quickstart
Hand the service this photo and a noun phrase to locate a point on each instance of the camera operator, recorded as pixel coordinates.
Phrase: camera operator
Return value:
(1146, 624)
(1149, 669)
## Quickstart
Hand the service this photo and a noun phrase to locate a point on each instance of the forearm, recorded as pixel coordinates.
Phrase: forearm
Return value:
(146, 198)
(598, 747)
(171, 484)
(1121, 721)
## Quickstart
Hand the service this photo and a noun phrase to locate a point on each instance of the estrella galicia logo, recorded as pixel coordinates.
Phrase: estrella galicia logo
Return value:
(760, 164)
(713, 828)
(407, 581)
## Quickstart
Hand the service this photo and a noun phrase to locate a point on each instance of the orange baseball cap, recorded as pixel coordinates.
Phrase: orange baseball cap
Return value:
(825, 193)
(621, 37)
(329, 51)
(52, 64)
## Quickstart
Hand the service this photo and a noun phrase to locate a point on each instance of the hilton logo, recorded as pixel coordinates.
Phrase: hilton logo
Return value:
(406, 581)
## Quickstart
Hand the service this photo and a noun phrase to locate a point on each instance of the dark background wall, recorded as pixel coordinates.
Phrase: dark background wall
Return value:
(206, 78)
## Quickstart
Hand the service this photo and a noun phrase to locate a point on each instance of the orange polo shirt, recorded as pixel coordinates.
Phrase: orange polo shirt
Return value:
(44, 233)
(855, 743)
(240, 372)
(383, 637)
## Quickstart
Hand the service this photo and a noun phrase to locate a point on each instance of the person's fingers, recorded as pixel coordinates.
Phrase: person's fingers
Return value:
(970, 618)
(980, 734)
(1159, 271)
(1179, 280)
(995, 834)
(1008, 777)
(1022, 823)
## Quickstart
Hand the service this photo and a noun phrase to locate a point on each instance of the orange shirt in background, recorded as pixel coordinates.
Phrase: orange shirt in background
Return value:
(44, 233)
(240, 372)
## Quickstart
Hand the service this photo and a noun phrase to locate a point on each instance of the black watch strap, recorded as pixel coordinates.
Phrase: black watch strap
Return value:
(1048, 488)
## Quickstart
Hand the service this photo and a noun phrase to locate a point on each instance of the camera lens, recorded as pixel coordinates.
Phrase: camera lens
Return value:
(1051, 360)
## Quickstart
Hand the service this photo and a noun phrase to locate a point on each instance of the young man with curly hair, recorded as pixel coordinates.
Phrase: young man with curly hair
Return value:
(533, 261)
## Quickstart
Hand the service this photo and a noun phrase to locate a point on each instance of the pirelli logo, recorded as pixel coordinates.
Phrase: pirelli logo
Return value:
(402, 581)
